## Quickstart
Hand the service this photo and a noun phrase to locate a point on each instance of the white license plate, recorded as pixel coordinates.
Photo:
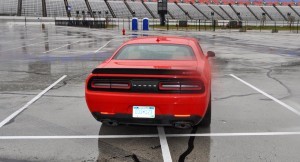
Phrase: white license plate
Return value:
(143, 112)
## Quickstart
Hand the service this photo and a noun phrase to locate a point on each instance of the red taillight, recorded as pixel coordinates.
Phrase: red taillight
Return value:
(192, 86)
(98, 84)
(120, 85)
(181, 86)
(172, 86)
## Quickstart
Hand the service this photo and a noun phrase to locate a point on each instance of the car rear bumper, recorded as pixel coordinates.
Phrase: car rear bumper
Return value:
(163, 120)
(165, 104)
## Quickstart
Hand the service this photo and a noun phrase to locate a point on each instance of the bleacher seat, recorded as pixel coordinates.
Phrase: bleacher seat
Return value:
(258, 12)
(56, 8)
(32, 8)
(176, 11)
(286, 9)
(273, 13)
(229, 10)
(244, 12)
(78, 5)
(220, 11)
(139, 9)
(207, 11)
(120, 9)
(97, 6)
(8, 7)
(193, 12)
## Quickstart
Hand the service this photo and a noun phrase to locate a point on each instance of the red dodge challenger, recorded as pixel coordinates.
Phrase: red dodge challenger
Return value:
(153, 81)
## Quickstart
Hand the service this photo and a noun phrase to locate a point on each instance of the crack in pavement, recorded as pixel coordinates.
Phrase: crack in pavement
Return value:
(134, 157)
(107, 150)
(232, 96)
(65, 82)
(190, 145)
(268, 74)
(281, 83)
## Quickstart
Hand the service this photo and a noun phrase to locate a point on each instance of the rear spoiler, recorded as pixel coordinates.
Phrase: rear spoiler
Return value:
(144, 71)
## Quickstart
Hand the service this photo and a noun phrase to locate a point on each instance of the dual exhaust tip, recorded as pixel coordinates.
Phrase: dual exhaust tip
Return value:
(178, 124)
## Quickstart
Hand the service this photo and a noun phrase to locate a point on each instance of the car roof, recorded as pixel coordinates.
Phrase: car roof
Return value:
(162, 39)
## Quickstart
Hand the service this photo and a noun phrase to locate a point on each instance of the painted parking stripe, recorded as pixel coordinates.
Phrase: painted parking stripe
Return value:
(164, 144)
(235, 134)
(152, 136)
(16, 113)
(102, 47)
(267, 95)
(61, 47)
(28, 45)
(77, 137)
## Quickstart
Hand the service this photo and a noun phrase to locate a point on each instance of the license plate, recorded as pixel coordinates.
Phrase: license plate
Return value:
(143, 112)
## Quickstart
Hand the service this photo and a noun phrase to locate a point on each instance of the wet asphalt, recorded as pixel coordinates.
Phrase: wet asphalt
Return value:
(32, 58)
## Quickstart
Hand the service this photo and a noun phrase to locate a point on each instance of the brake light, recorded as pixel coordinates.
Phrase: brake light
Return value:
(169, 86)
(120, 85)
(191, 86)
(100, 84)
(181, 86)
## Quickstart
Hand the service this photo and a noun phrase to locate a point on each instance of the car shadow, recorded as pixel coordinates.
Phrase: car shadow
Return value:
(135, 149)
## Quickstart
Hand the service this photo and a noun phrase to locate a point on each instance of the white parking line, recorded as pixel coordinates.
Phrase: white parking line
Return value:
(61, 47)
(28, 45)
(161, 135)
(78, 137)
(164, 145)
(102, 46)
(234, 134)
(267, 95)
(13, 115)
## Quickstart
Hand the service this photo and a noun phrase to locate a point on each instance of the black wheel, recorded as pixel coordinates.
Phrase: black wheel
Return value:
(207, 118)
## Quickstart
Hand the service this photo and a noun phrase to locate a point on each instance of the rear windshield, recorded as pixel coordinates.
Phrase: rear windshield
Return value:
(155, 52)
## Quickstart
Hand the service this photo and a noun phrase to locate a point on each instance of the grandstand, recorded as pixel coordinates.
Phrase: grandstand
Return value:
(246, 10)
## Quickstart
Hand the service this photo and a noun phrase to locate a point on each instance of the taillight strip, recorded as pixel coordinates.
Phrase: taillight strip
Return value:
(181, 86)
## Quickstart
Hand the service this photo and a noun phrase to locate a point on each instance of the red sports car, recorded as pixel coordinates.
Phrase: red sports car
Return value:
(153, 81)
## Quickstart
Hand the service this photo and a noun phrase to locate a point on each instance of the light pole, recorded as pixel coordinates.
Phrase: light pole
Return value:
(25, 17)
(213, 22)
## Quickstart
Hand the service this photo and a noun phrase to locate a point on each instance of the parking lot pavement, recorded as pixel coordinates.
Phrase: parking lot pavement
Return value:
(255, 99)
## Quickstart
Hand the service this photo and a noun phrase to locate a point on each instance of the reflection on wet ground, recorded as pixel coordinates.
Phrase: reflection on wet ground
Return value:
(32, 59)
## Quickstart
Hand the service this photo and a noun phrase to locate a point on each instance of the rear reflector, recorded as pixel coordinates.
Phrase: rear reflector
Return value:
(182, 116)
(107, 113)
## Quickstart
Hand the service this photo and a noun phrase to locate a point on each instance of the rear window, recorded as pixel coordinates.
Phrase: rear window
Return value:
(155, 52)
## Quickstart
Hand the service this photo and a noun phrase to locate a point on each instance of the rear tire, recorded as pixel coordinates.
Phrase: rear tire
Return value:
(207, 118)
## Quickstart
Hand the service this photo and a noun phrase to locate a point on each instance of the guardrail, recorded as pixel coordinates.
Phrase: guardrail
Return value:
(82, 23)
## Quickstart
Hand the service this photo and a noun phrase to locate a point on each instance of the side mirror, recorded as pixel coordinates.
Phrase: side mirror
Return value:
(210, 54)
